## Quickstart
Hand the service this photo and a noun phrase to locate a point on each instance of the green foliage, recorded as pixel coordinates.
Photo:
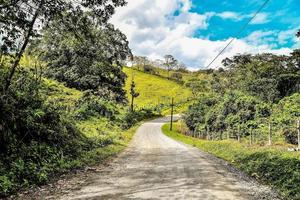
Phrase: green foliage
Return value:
(149, 69)
(219, 115)
(88, 58)
(131, 118)
(90, 105)
(176, 76)
(47, 128)
(33, 135)
(266, 76)
(277, 168)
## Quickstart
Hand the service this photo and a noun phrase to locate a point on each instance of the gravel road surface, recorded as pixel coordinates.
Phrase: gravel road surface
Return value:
(157, 167)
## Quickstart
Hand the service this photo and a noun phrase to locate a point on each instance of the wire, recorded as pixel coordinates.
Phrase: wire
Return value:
(238, 33)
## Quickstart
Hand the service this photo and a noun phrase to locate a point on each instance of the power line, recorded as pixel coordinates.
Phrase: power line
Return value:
(238, 33)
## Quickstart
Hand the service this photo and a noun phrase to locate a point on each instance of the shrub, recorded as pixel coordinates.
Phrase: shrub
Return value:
(291, 136)
(35, 137)
(176, 76)
(149, 69)
(91, 105)
(131, 118)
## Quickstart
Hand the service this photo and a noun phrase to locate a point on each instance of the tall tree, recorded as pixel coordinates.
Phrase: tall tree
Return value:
(21, 20)
(170, 63)
(85, 55)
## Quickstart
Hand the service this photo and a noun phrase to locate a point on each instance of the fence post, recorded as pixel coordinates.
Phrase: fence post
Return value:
(270, 133)
(298, 129)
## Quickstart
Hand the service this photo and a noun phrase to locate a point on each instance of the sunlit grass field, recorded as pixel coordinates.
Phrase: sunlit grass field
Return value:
(155, 90)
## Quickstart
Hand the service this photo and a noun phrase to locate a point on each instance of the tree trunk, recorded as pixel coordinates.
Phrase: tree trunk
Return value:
(23, 48)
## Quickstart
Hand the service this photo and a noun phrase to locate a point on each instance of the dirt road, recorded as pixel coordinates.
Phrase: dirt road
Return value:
(157, 167)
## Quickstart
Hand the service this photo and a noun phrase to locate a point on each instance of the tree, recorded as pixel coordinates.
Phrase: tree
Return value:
(140, 61)
(85, 55)
(267, 76)
(181, 67)
(170, 63)
(133, 94)
(21, 20)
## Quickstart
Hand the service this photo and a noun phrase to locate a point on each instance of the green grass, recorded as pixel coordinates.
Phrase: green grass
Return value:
(270, 165)
(156, 90)
(57, 92)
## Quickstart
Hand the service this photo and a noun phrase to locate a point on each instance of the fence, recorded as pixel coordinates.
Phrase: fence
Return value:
(264, 134)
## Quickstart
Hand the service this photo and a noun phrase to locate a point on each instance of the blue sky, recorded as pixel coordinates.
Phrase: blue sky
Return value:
(277, 16)
(194, 31)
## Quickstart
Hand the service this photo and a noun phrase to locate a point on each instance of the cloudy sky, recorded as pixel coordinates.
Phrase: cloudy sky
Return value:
(194, 31)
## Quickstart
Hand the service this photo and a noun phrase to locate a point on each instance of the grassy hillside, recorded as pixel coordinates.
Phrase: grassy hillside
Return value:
(155, 90)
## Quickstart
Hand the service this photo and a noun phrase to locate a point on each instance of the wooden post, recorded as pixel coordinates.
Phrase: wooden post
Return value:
(172, 110)
(270, 133)
(298, 129)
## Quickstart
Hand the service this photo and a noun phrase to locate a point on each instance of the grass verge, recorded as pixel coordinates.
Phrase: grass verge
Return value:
(277, 168)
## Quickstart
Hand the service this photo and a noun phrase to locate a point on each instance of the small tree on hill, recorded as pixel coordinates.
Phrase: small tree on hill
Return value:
(170, 63)
(133, 94)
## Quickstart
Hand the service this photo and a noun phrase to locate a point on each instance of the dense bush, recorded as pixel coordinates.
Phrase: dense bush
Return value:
(291, 136)
(149, 69)
(217, 115)
(35, 138)
(91, 105)
(176, 76)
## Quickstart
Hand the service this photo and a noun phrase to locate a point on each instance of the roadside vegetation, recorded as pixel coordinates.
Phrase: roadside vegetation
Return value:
(271, 165)
(249, 114)
(67, 101)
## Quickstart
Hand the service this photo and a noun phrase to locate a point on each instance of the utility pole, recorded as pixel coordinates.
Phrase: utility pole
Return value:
(172, 110)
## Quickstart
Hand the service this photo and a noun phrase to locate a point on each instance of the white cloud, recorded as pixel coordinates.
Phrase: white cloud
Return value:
(261, 18)
(261, 37)
(230, 15)
(154, 31)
